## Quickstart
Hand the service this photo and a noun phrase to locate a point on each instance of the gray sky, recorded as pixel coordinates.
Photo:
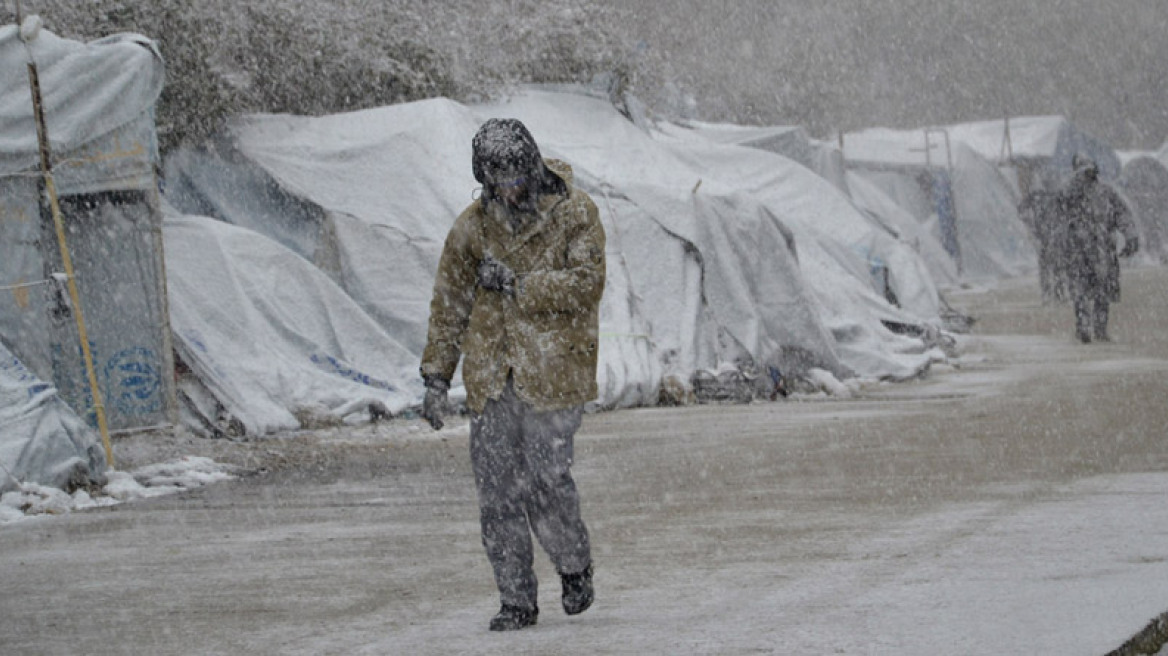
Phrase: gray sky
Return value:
(845, 64)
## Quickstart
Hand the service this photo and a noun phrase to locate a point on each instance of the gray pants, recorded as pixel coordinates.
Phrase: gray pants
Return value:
(1091, 314)
(521, 461)
(1092, 305)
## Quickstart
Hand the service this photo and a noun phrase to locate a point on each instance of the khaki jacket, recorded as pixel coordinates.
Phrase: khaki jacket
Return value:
(546, 335)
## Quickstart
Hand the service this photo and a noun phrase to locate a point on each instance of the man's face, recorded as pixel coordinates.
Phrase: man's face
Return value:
(515, 192)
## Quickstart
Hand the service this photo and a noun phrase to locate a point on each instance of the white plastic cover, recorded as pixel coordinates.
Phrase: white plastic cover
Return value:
(701, 250)
(273, 337)
(90, 90)
(41, 440)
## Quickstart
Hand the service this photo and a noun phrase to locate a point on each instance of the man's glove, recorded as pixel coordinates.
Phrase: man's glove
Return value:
(1130, 246)
(435, 405)
(496, 276)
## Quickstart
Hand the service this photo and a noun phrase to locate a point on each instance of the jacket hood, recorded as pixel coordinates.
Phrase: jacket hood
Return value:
(561, 169)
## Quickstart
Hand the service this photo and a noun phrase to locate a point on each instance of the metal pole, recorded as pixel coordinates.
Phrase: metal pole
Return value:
(59, 223)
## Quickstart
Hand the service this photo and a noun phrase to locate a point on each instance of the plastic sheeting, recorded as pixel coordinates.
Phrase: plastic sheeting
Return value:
(717, 254)
(272, 338)
(90, 90)
(975, 216)
(98, 100)
(41, 440)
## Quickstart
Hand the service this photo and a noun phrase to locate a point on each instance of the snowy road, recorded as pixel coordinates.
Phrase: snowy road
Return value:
(1015, 504)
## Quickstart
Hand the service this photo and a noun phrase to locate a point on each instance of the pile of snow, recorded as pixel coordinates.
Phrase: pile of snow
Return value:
(186, 473)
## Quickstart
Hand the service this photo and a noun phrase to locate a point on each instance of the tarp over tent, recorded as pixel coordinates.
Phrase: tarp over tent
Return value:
(1045, 144)
(889, 263)
(42, 440)
(963, 199)
(272, 342)
(696, 280)
(374, 193)
(98, 101)
(791, 142)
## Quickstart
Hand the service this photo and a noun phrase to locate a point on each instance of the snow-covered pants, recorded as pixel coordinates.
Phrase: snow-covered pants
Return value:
(1091, 314)
(522, 460)
(1092, 302)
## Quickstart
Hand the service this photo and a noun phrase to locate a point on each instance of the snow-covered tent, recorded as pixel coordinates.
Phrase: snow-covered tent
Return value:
(42, 440)
(368, 197)
(702, 238)
(827, 160)
(1038, 148)
(1144, 183)
(902, 225)
(98, 101)
(268, 342)
(962, 198)
(791, 142)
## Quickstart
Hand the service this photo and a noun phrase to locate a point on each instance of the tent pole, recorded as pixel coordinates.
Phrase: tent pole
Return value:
(59, 223)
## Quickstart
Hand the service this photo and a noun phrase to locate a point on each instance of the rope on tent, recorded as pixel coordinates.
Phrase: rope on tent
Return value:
(24, 285)
(28, 31)
(37, 173)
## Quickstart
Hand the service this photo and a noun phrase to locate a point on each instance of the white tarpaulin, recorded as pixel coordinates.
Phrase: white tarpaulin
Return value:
(699, 275)
(961, 198)
(886, 260)
(41, 440)
(272, 338)
(98, 101)
(90, 90)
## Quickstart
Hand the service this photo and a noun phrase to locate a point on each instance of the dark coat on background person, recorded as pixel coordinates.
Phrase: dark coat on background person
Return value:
(1039, 210)
(546, 335)
(1095, 214)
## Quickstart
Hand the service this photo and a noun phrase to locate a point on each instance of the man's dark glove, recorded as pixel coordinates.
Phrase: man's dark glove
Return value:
(1130, 246)
(496, 276)
(435, 405)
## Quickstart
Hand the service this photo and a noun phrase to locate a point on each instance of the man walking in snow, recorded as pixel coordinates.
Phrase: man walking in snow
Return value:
(1039, 211)
(1094, 213)
(517, 297)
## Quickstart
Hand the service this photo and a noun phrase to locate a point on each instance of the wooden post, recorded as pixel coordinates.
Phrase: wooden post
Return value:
(67, 261)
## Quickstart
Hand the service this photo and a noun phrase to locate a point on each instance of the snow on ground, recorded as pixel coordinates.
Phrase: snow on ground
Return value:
(179, 475)
(1011, 502)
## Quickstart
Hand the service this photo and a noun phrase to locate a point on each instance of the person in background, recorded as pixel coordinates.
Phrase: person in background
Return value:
(1039, 211)
(517, 298)
(1094, 214)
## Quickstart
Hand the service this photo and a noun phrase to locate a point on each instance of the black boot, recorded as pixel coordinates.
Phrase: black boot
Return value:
(577, 591)
(513, 618)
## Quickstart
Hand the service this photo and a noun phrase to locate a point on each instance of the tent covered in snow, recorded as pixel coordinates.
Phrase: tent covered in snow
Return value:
(962, 198)
(791, 142)
(828, 162)
(718, 256)
(268, 342)
(98, 101)
(1038, 148)
(42, 440)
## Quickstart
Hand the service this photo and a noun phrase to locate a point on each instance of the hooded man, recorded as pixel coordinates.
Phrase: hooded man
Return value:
(517, 298)
(1094, 213)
